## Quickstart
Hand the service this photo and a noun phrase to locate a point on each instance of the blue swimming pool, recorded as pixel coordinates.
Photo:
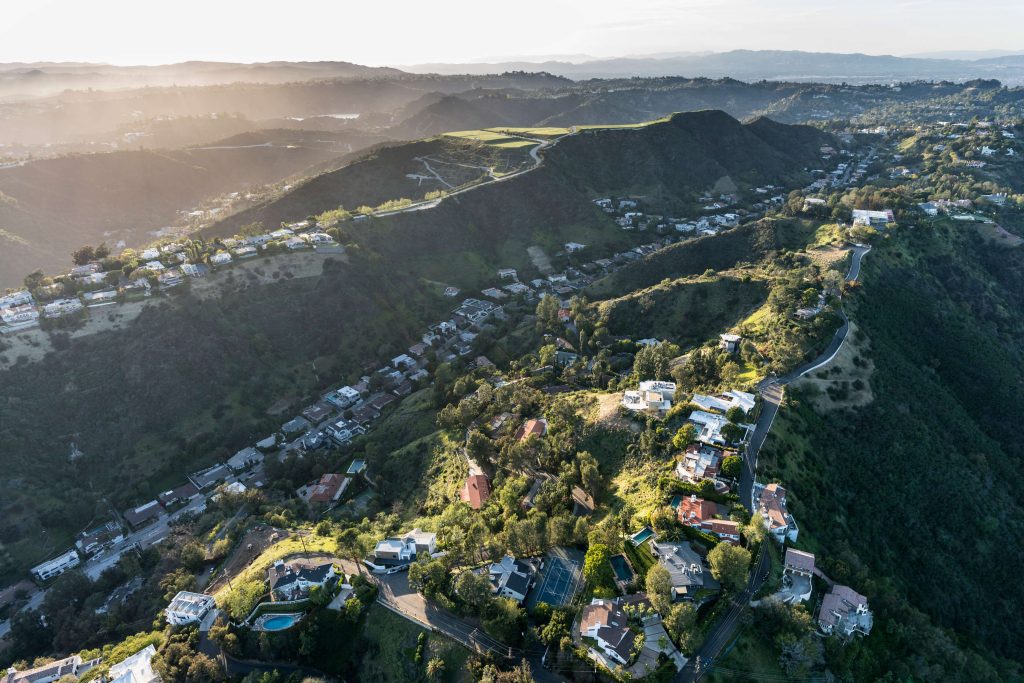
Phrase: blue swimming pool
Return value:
(620, 565)
(280, 622)
(641, 536)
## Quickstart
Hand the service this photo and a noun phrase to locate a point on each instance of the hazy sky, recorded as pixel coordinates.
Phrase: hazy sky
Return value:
(406, 32)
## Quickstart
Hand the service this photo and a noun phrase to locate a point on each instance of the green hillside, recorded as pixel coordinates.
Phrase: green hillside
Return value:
(916, 496)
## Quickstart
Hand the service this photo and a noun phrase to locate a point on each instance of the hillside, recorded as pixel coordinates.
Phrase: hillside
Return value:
(191, 380)
(920, 490)
(49, 208)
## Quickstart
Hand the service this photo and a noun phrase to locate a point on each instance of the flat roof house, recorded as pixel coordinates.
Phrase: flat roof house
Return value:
(92, 540)
(142, 515)
(181, 494)
(46, 673)
(136, 669)
(652, 396)
(700, 461)
(188, 608)
(396, 554)
(56, 566)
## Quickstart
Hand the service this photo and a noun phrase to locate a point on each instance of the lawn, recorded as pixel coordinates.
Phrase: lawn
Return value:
(543, 132)
(640, 557)
(391, 649)
(289, 546)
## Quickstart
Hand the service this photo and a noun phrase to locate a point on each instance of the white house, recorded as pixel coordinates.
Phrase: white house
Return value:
(395, 554)
(652, 395)
(294, 580)
(844, 612)
(57, 566)
(136, 669)
(188, 608)
(511, 578)
(222, 258)
(771, 503)
(607, 623)
(573, 247)
(724, 402)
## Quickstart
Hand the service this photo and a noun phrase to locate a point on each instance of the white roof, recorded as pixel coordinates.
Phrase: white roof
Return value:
(136, 669)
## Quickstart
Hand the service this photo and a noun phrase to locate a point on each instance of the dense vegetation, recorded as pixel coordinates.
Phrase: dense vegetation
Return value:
(915, 497)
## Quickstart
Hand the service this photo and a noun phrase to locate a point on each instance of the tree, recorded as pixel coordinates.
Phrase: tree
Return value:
(505, 620)
(732, 466)
(659, 588)
(736, 414)
(435, 669)
(474, 589)
(597, 569)
(754, 531)
(684, 436)
(732, 432)
(678, 622)
(193, 556)
(243, 598)
(83, 255)
(729, 564)
(176, 581)
(547, 314)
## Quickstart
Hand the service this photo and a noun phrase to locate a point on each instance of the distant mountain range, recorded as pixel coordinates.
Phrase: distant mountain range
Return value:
(754, 65)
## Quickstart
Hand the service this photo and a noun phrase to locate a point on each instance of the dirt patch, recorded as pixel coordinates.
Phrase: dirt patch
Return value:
(608, 412)
(826, 257)
(724, 185)
(259, 538)
(845, 382)
(540, 260)
(262, 271)
(998, 235)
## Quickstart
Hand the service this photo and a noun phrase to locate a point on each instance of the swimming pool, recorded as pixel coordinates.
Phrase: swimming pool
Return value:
(641, 536)
(620, 565)
(279, 622)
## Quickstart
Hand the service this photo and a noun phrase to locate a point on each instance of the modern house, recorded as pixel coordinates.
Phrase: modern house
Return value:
(844, 612)
(293, 580)
(872, 218)
(654, 396)
(771, 503)
(730, 343)
(476, 491)
(142, 515)
(511, 578)
(396, 554)
(47, 673)
(95, 539)
(700, 461)
(69, 559)
(724, 402)
(688, 573)
(181, 494)
(136, 669)
(797, 576)
(244, 459)
(607, 624)
(188, 608)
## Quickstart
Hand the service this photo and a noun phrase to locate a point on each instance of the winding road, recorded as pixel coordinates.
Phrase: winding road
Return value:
(772, 390)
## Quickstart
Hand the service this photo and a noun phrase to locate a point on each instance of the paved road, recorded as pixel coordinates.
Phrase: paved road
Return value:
(772, 390)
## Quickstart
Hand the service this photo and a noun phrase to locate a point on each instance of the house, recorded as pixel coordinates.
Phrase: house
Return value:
(244, 251)
(709, 427)
(573, 247)
(188, 608)
(771, 503)
(652, 396)
(476, 491)
(872, 218)
(608, 625)
(293, 580)
(687, 570)
(95, 539)
(142, 515)
(47, 673)
(418, 349)
(799, 562)
(327, 489)
(565, 358)
(511, 578)
(150, 254)
(85, 270)
(508, 274)
(20, 298)
(295, 425)
(530, 428)
(730, 343)
(69, 559)
(707, 516)
(343, 397)
(396, 554)
(723, 529)
(193, 270)
(136, 669)
(170, 278)
(930, 208)
(317, 413)
(211, 476)
(244, 459)
(343, 431)
(844, 612)
(182, 494)
(403, 362)
(222, 258)
(101, 298)
(723, 403)
(62, 307)
(20, 317)
(700, 461)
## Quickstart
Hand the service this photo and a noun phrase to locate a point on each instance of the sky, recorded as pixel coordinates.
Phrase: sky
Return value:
(398, 32)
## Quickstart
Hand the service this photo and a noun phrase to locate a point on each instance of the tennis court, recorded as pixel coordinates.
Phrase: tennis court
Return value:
(563, 578)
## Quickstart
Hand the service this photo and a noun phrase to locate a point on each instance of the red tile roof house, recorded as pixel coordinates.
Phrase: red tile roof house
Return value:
(708, 516)
(476, 491)
(772, 506)
(327, 490)
(532, 428)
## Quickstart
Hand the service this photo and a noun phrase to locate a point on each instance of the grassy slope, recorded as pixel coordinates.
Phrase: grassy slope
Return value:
(918, 493)
(190, 383)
